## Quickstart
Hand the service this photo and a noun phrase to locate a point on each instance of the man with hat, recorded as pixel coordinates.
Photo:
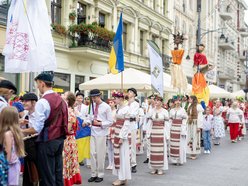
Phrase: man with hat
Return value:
(51, 115)
(30, 176)
(7, 89)
(133, 117)
(101, 118)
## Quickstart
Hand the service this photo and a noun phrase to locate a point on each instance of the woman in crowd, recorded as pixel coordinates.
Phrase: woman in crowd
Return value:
(225, 109)
(235, 118)
(158, 157)
(195, 119)
(122, 141)
(110, 137)
(12, 139)
(71, 171)
(218, 124)
(178, 132)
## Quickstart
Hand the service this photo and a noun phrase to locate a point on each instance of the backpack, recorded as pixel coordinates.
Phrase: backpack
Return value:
(4, 166)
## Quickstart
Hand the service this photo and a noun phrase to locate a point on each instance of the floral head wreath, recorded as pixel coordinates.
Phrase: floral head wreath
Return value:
(117, 95)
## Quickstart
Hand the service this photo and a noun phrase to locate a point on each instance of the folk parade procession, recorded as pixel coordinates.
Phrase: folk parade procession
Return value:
(127, 92)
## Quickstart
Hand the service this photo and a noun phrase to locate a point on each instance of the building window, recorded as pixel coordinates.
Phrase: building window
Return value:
(78, 81)
(125, 36)
(101, 19)
(141, 42)
(163, 47)
(154, 5)
(61, 82)
(81, 13)
(154, 38)
(56, 11)
(184, 6)
(164, 7)
(4, 5)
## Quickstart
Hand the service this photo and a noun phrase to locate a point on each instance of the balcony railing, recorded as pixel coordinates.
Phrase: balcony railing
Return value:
(225, 44)
(225, 12)
(94, 42)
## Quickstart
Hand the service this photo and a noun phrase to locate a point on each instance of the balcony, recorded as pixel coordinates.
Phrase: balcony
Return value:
(243, 32)
(225, 44)
(242, 56)
(226, 73)
(225, 13)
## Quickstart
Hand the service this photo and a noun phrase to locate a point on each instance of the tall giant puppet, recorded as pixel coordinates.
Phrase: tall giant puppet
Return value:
(199, 85)
(178, 78)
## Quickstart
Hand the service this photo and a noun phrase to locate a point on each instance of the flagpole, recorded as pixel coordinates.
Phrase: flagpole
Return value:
(122, 81)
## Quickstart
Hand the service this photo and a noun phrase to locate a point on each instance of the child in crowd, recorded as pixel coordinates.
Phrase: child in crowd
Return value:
(12, 139)
(207, 129)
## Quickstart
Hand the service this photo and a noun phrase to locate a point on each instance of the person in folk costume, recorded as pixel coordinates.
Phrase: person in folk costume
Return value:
(218, 124)
(71, 170)
(158, 161)
(110, 136)
(100, 121)
(7, 90)
(242, 128)
(235, 118)
(81, 111)
(246, 115)
(151, 107)
(140, 123)
(30, 174)
(185, 102)
(225, 109)
(194, 124)
(178, 133)
(134, 114)
(122, 141)
(51, 124)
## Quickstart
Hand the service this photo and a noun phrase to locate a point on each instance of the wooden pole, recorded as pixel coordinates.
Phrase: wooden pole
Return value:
(122, 81)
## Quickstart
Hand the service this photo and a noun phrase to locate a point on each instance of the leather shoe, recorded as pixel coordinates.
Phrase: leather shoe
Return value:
(146, 161)
(98, 180)
(134, 169)
(92, 179)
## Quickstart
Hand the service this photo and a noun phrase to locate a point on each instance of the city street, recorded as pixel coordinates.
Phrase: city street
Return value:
(225, 166)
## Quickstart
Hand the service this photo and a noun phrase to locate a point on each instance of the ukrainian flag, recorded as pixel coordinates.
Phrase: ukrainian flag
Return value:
(116, 58)
(83, 141)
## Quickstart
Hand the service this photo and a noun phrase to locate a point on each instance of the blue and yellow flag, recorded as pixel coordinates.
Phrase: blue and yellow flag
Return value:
(116, 58)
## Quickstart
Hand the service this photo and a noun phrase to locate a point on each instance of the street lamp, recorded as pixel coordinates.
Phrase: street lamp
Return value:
(246, 72)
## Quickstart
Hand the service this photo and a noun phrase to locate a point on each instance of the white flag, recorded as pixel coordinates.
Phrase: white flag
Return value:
(29, 44)
(156, 67)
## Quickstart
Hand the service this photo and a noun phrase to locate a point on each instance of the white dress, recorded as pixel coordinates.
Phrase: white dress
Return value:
(161, 115)
(124, 173)
(194, 137)
(181, 115)
(219, 128)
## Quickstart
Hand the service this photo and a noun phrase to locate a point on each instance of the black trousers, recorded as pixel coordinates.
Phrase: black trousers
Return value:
(50, 162)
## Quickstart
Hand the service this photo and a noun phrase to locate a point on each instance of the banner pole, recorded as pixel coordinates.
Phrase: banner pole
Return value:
(122, 81)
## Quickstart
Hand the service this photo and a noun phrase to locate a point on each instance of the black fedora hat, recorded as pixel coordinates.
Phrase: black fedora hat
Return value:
(95, 92)
(133, 90)
(8, 84)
